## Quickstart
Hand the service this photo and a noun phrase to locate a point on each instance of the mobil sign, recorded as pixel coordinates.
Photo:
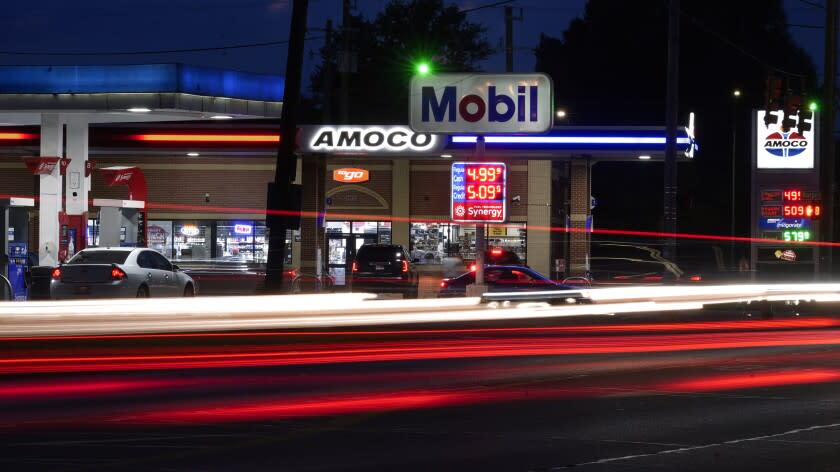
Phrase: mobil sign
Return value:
(481, 103)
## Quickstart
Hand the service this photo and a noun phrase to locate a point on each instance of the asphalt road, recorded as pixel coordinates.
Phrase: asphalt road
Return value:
(704, 391)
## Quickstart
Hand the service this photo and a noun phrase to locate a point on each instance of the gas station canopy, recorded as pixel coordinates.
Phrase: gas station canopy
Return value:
(136, 93)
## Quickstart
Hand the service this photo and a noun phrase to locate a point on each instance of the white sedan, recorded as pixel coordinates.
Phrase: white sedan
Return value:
(119, 272)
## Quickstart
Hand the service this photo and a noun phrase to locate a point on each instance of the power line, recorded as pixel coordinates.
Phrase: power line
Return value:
(813, 4)
(162, 51)
(489, 5)
(735, 46)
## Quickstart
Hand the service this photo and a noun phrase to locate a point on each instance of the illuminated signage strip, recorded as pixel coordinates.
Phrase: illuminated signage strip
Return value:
(566, 140)
(208, 138)
(17, 136)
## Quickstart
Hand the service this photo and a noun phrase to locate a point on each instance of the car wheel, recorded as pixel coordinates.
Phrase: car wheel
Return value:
(143, 292)
(189, 291)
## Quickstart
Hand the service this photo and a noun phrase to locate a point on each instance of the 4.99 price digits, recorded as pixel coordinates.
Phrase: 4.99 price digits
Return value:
(483, 192)
(484, 174)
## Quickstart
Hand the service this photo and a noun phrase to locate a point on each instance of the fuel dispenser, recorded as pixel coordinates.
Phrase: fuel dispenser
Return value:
(123, 222)
(15, 226)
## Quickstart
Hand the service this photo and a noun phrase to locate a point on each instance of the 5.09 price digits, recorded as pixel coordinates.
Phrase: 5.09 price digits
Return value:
(483, 192)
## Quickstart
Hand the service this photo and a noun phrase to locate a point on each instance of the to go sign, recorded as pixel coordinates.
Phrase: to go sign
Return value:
(351, 175)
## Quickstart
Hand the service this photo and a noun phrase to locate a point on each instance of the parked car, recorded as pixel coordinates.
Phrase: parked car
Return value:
(384, 268)
(505, 278)
(119, 273)
(498, 256)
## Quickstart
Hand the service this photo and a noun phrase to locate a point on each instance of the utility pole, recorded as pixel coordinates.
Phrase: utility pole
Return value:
(329, 58)
(284, 197)
(509, 37)
(827, 176)
(344, 63)
(670, 203)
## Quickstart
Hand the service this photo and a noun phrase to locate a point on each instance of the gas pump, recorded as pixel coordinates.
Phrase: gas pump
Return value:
(15, 226)
(123, 222)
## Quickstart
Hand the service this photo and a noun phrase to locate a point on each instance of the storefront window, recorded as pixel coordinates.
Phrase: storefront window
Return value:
(160, 237)
(432, 242)
(243, 240)
(192, 241)
(364, 227)
(384, 232)
(338, 227)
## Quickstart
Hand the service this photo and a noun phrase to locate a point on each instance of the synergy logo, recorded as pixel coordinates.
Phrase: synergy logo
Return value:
(490, 103)
(777, 148)
(785, 144)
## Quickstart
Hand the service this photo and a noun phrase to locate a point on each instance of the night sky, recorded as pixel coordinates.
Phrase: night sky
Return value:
(36, 27)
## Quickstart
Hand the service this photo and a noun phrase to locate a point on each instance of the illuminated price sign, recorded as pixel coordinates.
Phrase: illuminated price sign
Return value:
(478, 192)
(806, 210)
(770, 211)
(796, 236)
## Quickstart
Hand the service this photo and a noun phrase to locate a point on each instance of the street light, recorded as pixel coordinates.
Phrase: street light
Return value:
(561, 113)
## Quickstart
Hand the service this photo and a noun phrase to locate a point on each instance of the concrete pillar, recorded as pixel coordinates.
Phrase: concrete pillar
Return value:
(296, 244)
(76, 183)
(313, 199)
(578, 212)
(52, 139)
(400, 198)
(539, 216)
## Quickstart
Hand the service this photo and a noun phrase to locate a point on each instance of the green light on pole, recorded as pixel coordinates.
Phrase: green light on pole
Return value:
(423, 68)
(813, 106)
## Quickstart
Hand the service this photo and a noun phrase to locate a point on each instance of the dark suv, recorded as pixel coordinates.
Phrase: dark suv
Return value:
(384, 268)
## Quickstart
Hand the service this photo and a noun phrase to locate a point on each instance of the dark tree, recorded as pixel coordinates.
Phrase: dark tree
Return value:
(610, 69)
(386, 50)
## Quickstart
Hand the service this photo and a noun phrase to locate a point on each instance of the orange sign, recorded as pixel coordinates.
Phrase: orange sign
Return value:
(351, 175)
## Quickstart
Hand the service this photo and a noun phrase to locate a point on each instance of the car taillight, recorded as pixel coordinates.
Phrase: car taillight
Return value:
(696, 278)
(444, 283)
(405, 266)
(117, 273)
(355, 267)
(472, 268)
(56, 273)
(496, 252)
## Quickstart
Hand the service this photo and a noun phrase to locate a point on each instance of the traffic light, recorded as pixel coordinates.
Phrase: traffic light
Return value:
(806, 119)
(772, 99)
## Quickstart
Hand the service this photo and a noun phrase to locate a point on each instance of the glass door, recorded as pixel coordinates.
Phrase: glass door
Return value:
(337, 259)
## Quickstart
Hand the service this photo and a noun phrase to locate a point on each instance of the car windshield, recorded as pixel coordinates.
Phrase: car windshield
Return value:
(99, 257)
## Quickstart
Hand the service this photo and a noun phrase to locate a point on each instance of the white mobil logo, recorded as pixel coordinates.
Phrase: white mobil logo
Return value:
(368, 139)
(487, 103)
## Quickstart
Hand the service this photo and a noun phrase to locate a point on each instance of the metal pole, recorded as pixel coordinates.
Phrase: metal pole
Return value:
(480, 240)
(827, 119)
(286, 164)
(344, 63)
(670, 203)
(508, 39)
(732, 185)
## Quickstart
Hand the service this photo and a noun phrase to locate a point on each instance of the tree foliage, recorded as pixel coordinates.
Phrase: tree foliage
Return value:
(610, 66)
(386, 50)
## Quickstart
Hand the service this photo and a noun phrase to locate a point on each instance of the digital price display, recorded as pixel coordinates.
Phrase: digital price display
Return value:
(796, 236)
(478, 192)
(806, 210)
